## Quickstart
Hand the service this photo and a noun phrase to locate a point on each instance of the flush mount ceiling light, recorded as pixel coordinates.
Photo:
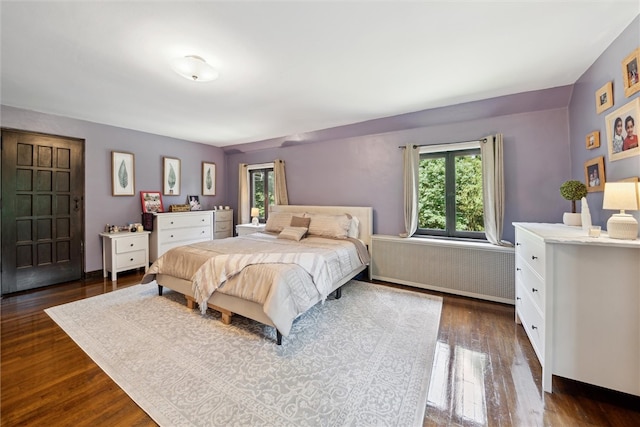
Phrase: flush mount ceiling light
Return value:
(194, 68)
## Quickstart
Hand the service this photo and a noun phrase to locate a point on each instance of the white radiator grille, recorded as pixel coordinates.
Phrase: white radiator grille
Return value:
(471, 269)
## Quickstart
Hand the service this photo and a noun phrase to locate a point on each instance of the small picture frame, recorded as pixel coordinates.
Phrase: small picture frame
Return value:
(630, 75)
(170, 176)
(151, 202)
(593, 140)
(122, 174)
(208, 179)
(594, 174)
(604, 97)
(622, 131)
(194, 203)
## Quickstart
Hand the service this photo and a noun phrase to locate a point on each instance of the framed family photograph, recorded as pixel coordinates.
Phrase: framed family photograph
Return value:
(622, 139)
(594, 174)
(630, 78)
(194, 203)
(122, 174)
(208, 179)
(170, 176)
(151, 202)
(593, 140)
(604, 97)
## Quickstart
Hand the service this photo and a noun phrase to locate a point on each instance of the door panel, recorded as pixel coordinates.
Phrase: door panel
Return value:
(42, 210)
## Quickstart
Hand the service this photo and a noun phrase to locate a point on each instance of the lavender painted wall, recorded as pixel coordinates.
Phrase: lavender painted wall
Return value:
(100, 206)
(583, 118)
(367, 170)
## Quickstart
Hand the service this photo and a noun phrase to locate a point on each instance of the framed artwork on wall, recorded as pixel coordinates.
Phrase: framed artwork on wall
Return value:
(622, 137)
(208, 179)
(593, 140)
(604, 97)
(151, 201)
(594, 174)
(170, 176)
(122, 174)
(630, 76)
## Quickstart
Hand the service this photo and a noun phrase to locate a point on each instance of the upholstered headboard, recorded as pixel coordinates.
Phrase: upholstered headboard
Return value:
(364, 214)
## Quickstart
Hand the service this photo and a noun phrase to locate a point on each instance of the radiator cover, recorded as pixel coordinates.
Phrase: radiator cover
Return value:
(478, 270)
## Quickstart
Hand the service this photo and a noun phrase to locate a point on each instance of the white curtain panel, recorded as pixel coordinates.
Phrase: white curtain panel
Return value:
(280, 183)
(243, 195)
(493, 188)
(411, 170)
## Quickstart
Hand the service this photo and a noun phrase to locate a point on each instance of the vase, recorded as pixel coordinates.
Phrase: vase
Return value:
(572, 219)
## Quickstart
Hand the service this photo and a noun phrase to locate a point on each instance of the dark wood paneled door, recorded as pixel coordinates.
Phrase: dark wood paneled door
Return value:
(42, 210)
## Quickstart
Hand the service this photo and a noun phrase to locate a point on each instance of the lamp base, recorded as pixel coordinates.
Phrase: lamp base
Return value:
(255, 220)
(622, 226)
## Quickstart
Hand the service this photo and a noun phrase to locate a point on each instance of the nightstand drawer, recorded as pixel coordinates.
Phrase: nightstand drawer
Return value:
(223, 226)
(130, 244)
(226, 215)
(131, 259)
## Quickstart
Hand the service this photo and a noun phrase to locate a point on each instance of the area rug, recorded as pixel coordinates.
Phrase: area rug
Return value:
(364, 359)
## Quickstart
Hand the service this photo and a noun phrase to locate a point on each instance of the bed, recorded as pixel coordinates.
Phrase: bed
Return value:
(272, 277)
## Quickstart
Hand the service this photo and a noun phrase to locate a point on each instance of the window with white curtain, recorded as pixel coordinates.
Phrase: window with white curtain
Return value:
(450, 198)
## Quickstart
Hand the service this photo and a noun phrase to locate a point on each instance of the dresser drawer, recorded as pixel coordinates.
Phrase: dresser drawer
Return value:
(531, 319)
(171, 221)
(183, 235)
(226, 215)
(131, 260)
(131, 243)
(223, 226)
(531, 249)
(531, 282)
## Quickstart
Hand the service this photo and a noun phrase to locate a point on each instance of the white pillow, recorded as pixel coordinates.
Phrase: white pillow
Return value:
(354, 228)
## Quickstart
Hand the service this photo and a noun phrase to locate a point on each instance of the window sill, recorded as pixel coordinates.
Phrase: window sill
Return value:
(446, 241)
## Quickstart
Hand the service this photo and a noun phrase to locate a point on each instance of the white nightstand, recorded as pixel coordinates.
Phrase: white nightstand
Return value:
(244, 229)
(124, 251)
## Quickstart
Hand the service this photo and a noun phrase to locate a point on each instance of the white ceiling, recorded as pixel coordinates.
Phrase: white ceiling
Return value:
(290, 67)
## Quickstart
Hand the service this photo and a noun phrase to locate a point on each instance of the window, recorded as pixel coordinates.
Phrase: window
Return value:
(261, 188)
(450, 191)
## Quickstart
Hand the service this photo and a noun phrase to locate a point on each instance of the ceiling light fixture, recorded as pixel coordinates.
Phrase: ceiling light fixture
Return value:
(194, 68)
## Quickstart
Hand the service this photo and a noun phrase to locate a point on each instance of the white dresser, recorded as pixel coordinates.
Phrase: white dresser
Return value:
(171, 229)
(578, 299)
(124, 251)
(223, 226)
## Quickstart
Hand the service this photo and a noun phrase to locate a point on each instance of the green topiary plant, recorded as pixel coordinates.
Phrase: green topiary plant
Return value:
(573, 190)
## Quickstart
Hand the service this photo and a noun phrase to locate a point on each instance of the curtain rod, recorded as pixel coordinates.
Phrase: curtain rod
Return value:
(445, 143)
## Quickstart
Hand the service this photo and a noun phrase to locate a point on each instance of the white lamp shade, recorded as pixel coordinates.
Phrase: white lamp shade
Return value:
(620, 195)
(255, 211)
(194, 68)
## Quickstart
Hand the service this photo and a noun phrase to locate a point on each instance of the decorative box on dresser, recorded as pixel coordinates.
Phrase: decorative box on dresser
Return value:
(223, 226)
(171, 229)
(578, 299)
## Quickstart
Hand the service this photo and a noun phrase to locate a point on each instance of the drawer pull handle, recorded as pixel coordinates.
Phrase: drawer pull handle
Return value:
(171, 222)
(518, 298)
(534, 290)
(518, 244)
(518, 269)
(132, 245)
(534, 327)
(131, 259)
(534, 257)
(202, 220)
(172, 236)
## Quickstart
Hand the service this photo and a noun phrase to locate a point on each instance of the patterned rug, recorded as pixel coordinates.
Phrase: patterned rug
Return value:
(364, 359)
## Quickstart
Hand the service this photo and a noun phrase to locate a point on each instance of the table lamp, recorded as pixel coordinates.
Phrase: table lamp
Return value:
(621, 195)
(254, 213)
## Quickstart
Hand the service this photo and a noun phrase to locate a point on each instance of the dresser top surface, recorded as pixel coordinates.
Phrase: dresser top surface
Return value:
(560, 233)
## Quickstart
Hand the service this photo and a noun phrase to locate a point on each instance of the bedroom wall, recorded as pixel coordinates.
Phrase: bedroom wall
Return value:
(366, 170)
(100, 206)
(583, 118)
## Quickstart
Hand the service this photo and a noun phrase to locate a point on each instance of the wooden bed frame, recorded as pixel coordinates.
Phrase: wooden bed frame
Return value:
(228, 305)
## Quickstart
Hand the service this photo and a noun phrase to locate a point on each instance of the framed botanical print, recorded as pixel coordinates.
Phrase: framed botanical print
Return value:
(208, 179)
(171, 176)
(122, 174)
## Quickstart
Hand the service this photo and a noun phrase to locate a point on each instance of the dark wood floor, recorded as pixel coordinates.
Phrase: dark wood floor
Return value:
(485, 372)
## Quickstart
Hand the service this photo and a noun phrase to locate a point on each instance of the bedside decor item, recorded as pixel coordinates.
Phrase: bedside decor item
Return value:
(594, 174)
(622, 131)
(572, 190)
(171, 176)
(179, 208)
(585, 215)
(151, 201)
(604, 97)
(593, 140)
(122, 174)
(255, 212)
(621, 195)
(208, 179)
(630, 76)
